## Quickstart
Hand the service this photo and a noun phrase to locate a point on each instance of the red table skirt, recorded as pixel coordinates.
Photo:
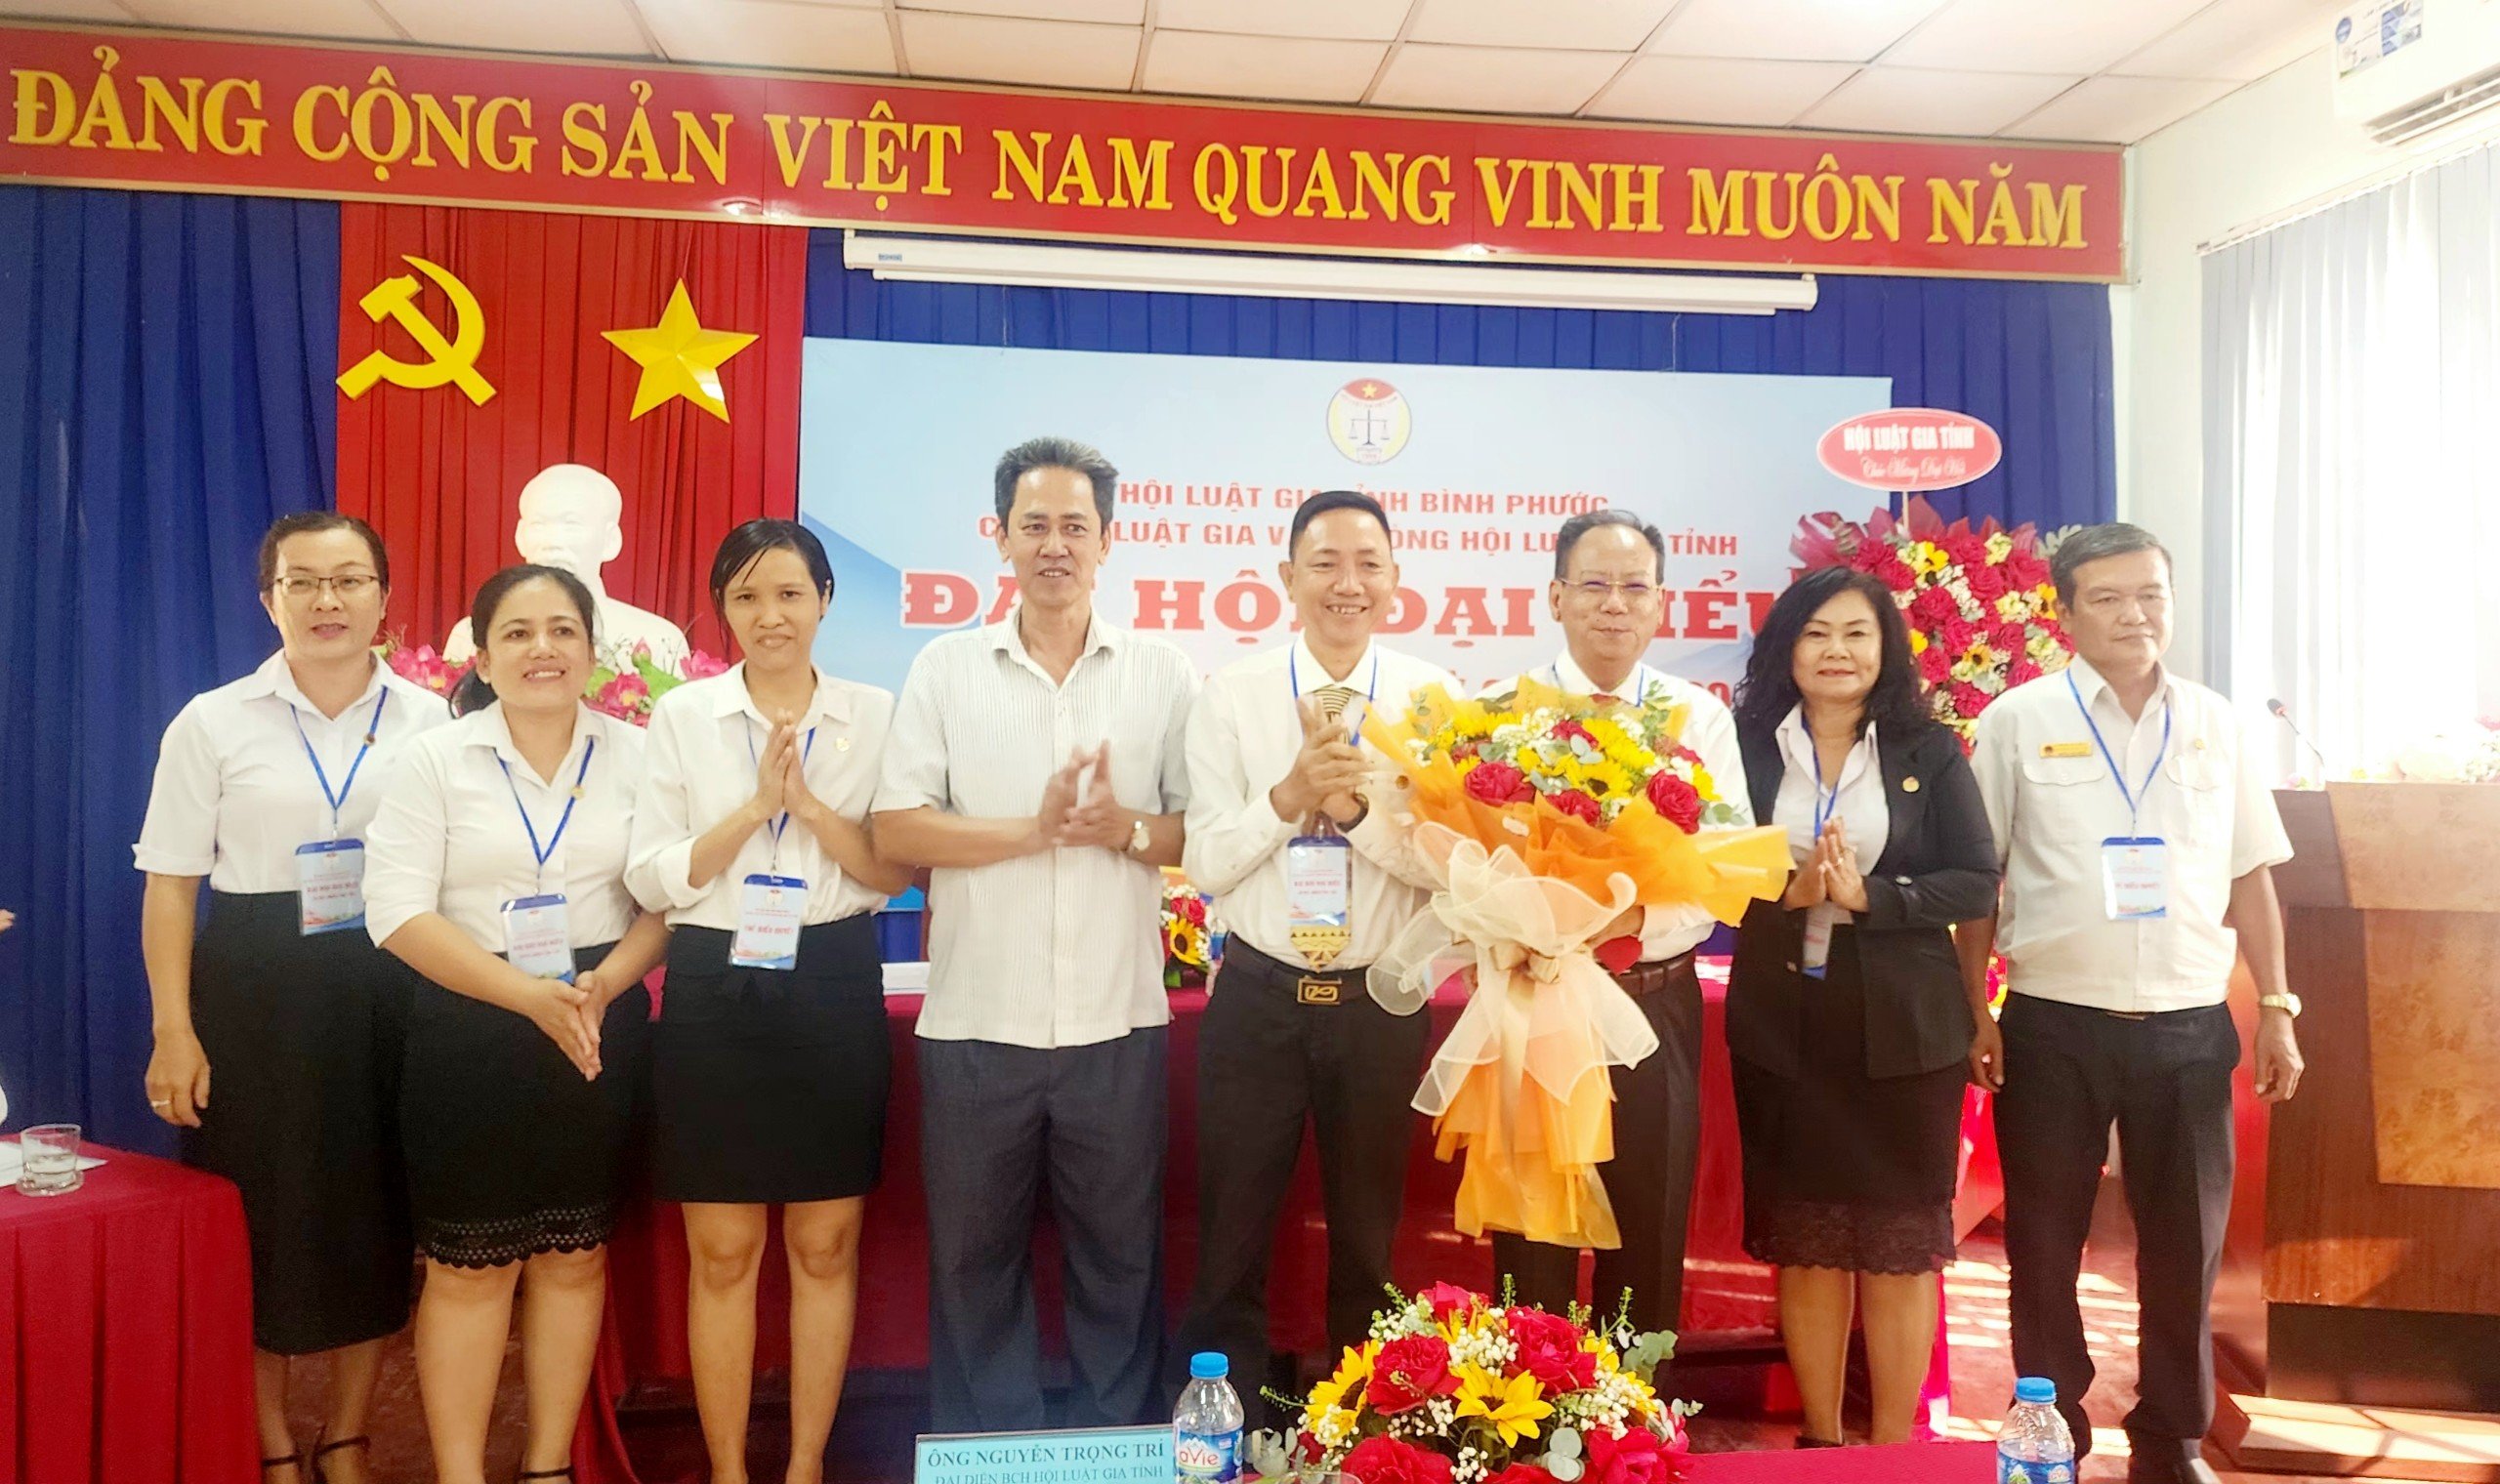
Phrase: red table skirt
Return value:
(1724, 1288)
(126, 1331)
(1900, 1463)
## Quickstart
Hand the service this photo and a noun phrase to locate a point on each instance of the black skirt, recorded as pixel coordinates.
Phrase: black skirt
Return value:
(770, 1085)
(1843, 1170)
(511, 1151)
(304, 1037)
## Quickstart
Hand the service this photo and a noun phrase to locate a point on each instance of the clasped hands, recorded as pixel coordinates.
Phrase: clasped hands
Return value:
(1327, 775)
(1079, 807)
(1828, 873)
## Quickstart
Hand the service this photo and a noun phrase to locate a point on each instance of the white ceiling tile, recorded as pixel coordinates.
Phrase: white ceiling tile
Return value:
(582, 28)
(340, 20)
(1061, 54)
(1492, 80)
(2035, 35)
(1589, 25)
(69, 9)
(1294, 69)
(1916, 101)
(767, 33)
(1803, 30)
(1719, 90)
(1331, 20)
(2119, 111)
(1106, 12)
(2242, 40)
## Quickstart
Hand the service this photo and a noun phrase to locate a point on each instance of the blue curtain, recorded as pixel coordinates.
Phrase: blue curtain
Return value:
(169, 395)
(2031, 361)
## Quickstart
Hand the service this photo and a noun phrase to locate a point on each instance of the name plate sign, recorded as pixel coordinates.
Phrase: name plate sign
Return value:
(1078, 1456)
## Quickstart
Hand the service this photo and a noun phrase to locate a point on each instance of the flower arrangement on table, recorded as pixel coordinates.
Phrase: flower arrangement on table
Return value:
(2459, 755)
(1981, 610)
(1455, 1388)
(625, 685)
(1542, 817)
(1188, 934)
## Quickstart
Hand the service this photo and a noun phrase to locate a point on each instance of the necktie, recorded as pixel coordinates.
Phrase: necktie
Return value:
(1333, 700)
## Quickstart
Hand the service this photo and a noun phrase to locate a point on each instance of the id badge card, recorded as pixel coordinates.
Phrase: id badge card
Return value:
(771, 909)
(538, 937)
(2135, 878)
(1319, 884)
(329, 885)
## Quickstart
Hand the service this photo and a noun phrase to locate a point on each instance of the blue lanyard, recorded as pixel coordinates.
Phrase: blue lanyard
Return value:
(1371, 690)
(543, 853)
(372, 731)
(1826, 806)
(806, 752)
(2135, 797)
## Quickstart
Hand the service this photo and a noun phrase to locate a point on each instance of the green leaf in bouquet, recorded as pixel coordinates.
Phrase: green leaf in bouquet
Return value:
(1565, 1470)
(1268, 1451)
(1565, 1444)
(660, 681)
(1649, 1352)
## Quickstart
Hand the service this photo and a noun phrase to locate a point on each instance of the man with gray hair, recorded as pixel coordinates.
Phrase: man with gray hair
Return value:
(1035, 766)
(2137, 839)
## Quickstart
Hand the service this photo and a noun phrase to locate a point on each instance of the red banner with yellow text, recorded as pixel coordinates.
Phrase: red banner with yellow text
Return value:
(192, 112)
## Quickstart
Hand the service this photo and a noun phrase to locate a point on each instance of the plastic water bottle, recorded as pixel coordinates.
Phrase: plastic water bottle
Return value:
(1206, 1426)
(2034, 1446)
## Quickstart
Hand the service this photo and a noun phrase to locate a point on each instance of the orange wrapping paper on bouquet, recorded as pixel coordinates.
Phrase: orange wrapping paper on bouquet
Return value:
(1522, 891)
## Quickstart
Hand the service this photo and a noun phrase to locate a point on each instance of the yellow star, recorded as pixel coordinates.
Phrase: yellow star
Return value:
(680, 357)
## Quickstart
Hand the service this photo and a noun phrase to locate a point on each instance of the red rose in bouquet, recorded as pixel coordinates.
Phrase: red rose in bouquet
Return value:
(1635, 1458)
(1969, 699)
(1935, 666)
(1987, 584)
(1498, 783)
(1448, 1299)
(1958, 636)
(1677, 800)
(1548, 1346)
(2021, 672)
(2027, 570)
(2009, 636)
(1969, 550)
(1578, 805)
(1387, 1460)
(1933, 610)
(1407, 1374)
(1521, 1473)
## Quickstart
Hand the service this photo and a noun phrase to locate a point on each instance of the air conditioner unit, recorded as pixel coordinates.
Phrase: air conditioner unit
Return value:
(2404, 68)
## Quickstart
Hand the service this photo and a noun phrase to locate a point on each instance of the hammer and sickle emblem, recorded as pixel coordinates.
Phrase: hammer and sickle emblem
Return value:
(453, 361)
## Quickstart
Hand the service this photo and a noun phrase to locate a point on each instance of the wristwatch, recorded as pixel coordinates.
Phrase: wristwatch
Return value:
(1140, 837)
(2287, 1002)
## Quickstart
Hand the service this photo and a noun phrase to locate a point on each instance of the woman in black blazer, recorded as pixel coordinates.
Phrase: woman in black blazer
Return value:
(1846, 1014)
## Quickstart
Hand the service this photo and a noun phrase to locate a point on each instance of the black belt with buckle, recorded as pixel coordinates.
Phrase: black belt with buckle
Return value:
(1309, 986)
(1642, 980)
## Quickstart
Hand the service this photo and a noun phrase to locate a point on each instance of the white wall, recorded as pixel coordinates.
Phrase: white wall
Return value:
(2271, 146)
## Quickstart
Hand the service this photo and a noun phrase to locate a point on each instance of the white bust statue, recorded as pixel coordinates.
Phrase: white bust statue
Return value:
(570, 518)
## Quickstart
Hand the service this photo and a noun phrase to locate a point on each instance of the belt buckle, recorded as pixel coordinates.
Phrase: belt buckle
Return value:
(1307, 990)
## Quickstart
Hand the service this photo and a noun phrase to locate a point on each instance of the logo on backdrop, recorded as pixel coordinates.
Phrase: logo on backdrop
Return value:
(1368, 421)
(449, 359)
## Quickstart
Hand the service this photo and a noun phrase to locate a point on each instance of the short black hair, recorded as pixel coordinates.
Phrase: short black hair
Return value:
(745, 545)
(1055, 453)
(472, 694)
(1769, 691)
(313, 523)
(2092, 544)
(1328, 500)
(1586, 521)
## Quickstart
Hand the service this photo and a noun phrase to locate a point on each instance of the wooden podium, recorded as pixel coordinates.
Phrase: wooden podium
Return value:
(2382, 1266)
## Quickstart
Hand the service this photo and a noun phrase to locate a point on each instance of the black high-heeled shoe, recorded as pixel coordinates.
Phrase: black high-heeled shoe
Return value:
(565, 1472)
(321, 1450)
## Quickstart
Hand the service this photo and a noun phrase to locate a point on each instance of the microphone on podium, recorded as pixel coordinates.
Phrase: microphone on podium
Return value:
(2285, 717)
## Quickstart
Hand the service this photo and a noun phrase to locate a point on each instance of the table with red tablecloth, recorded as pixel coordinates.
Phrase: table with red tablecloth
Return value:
(126, 1330)
(1724, 1288)
(1900, 1463)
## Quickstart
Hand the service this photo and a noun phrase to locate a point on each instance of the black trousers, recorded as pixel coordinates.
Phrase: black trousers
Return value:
(997, 1120)
(2166, 1081)
(1658, 1141)
(1266, 1060)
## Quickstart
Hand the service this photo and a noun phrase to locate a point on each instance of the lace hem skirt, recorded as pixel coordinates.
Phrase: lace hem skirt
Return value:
(1843, 1170)
(511, 1151)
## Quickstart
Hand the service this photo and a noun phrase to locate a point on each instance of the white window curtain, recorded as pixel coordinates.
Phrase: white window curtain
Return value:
(2351, 436)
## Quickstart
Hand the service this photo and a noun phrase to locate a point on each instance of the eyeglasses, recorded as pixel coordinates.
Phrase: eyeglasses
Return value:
(348, 587)
(1597, 592)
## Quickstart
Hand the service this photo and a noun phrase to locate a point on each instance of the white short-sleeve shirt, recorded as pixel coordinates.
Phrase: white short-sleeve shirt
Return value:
(450, 838)
(2052, 801)
(1063, 947)
(236, 793)
(706, 738)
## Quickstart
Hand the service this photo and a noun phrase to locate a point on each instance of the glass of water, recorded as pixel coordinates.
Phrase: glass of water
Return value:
(51, 1155)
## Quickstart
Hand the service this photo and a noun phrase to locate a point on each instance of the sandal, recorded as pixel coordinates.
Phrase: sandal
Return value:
(319, 1448)
(290, 1461)
(565, 1472)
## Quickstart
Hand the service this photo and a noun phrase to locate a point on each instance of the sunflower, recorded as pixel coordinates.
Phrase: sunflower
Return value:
(1512, 1407)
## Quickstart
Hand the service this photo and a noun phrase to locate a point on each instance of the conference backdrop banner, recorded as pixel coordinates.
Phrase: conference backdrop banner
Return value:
(1477, 468)
(148, 109)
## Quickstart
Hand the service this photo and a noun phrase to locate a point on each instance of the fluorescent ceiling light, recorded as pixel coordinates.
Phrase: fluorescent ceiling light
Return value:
(970, 260)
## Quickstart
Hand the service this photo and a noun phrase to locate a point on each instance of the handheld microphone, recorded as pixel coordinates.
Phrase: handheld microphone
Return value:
(2285, 717)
